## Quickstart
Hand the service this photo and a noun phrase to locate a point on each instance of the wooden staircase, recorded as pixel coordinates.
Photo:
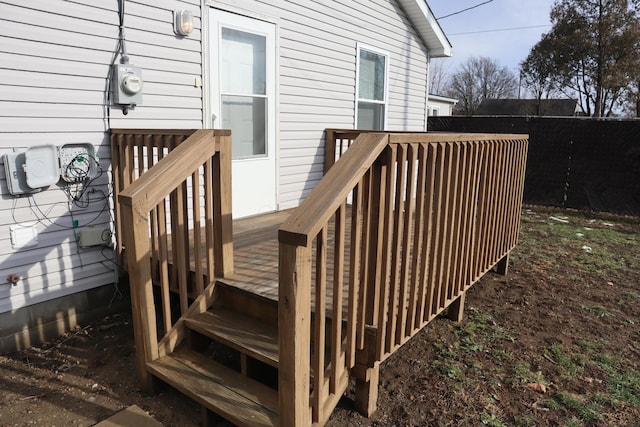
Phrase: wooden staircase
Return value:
(238, 395)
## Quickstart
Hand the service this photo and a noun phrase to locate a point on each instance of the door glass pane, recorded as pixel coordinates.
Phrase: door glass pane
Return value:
(246, 116)
(370, 116)
(243, 63)
(372, 71)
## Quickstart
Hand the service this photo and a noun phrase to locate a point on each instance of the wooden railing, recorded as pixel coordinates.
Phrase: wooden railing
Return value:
(161, 211)
(426, 216)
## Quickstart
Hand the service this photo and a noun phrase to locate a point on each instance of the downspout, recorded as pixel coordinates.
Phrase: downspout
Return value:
(426, 95)
(205, 87)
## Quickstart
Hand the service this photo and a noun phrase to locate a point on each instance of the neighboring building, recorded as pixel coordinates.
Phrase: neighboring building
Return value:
(440, 105)
(276, 72)
(528, 107)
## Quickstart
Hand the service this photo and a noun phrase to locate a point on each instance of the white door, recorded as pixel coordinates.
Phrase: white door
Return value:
(243, 73)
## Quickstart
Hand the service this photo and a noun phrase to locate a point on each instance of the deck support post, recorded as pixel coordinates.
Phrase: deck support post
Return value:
(502, 267)
(142, 302)
(367, 375)
(329, 149)
(223, 229)
(455, 311)
(294, 324)
(209, 418)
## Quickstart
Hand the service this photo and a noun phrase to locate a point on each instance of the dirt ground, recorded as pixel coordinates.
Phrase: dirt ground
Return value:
(554, 343)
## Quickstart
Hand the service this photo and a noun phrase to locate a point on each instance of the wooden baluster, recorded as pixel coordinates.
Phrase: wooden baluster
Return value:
(338, 284)
(319, 325)
(355, 252)
(409, 207)
(385, 244)
(366, 257)
(436, 234)
(418, 266)
(197, 230)
(397, 206)
(209, 220)
(444, 245)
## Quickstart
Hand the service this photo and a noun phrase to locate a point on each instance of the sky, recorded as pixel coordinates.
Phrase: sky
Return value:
(508, 47)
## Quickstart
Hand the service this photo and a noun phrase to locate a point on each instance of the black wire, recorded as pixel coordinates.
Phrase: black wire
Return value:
(104, 197)
(464, 10)
(80, 175)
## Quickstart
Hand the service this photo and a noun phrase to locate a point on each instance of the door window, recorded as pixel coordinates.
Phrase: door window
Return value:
(243, 82)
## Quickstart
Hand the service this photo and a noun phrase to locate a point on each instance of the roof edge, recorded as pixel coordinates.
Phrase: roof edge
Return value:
(428, 27)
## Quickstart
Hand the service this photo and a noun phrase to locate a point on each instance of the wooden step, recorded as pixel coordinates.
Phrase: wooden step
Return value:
(246, 334)
(231, 395)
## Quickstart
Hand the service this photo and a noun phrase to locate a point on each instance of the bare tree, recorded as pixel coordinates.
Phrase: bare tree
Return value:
(480, 78)
(438, 76)
(592, 51)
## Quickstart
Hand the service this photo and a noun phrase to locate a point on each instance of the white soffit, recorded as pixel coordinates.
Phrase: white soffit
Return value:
(428, 28)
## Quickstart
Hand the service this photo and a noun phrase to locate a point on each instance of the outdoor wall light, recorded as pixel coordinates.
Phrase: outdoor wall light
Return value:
(182, 22)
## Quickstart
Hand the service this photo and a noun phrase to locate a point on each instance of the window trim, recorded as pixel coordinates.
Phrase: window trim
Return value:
(385, 102)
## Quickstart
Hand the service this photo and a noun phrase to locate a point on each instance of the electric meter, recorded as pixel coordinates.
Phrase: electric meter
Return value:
(126, 85)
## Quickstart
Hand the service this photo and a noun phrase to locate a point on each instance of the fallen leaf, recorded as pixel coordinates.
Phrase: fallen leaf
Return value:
(610, 283)
(537, 387)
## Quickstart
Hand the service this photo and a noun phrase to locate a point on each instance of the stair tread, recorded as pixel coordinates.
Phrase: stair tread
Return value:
(246, 334)
(239, 399)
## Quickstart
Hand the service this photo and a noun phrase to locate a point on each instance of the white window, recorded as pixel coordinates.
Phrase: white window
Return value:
(372, 72)
(434, 111)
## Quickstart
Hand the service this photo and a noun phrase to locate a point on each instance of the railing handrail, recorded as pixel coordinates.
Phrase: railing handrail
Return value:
(333, 134)
(148, 190)
(126, 131)
(325, 198)
(198, 158)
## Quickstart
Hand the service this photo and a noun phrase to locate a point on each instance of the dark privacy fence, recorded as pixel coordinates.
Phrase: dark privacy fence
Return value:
(572, 162)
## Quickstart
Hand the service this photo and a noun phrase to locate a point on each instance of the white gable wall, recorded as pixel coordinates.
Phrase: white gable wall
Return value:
(54, 60)
(317, 71)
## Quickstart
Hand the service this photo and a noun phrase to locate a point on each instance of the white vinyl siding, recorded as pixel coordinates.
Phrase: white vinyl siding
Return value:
(54, 60)
(317, 76)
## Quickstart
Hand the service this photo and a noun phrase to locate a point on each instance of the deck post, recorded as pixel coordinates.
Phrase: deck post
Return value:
(502, 267)
(329, 149)
(455, 311)
(142, 304)
(294, 326)
(367, 376)
(223, 228)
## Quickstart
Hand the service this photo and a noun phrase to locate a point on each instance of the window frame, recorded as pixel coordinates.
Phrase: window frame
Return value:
(385, 102)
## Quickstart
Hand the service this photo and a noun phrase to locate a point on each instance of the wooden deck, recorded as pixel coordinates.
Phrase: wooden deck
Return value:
(255, 242)
(394, 234)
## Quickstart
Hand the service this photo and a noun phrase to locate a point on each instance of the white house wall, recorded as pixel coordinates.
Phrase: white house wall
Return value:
(317, 71)
(54, 60)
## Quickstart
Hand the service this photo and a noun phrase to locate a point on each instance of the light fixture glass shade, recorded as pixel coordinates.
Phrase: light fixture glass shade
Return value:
(183, 22)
